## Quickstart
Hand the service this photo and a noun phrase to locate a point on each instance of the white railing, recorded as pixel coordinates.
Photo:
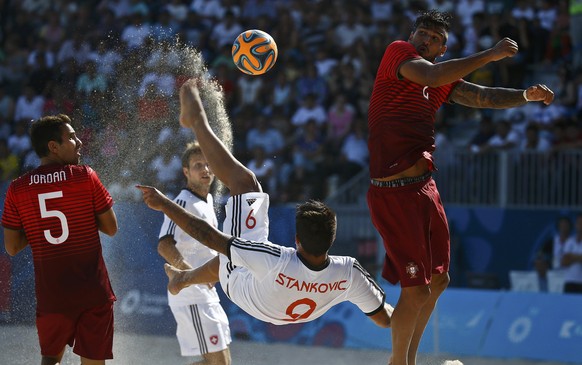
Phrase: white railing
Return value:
(508, 179)
(511, 179)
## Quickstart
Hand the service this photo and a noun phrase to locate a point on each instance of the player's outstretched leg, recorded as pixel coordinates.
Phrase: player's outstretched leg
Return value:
(237, 178)
(180, 279)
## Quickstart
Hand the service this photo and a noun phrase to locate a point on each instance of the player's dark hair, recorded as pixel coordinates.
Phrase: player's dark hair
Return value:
(315, 226)
(47, 129)
(192, 148)
(433, 19)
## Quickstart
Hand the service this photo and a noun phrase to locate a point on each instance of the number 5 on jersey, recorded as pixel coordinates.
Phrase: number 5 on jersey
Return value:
(45, 213)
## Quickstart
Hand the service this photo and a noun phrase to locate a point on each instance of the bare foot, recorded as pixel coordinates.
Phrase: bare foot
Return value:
(176, 280)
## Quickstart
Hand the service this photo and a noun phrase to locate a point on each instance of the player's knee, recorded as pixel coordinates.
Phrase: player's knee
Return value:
(439, 283)
(415, 296)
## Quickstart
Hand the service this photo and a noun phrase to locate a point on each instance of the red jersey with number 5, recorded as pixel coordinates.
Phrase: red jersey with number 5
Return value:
(401, 114)
(56, 206)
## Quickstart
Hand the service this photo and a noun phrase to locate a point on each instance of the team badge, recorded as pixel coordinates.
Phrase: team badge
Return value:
(412, 270)
(214, 339)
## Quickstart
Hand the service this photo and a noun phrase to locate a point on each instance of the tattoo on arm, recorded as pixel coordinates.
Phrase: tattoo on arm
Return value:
(206, 234)
(197, 228)
(477, 96)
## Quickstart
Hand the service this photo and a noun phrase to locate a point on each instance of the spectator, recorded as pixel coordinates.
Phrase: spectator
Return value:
(282, 93)
(572, 259)
(41, 75)
(41, 50)
(195, 31)
(9, 162)
(354, 151)
(166, 168)
(503, 139)
(135, 33)
(349, 31)
(91, 81)
(249, 89)
(340, 117)
(381, 10)
(466, 9)
(120, 8)
(28, 105)
(52, 32)
(6, 105)
(310, 110)
(178, 11)
(310, 83)
(308, 155)
(58, 101)
(163, 30)
(209, 10)
(19, 142)
(226, 31)
(549, 256)
(255, 9)
(14, 62)
(265, 136)
(264, 169)
(485, 132)
(106, 58)
(76, 48)
(533, 141)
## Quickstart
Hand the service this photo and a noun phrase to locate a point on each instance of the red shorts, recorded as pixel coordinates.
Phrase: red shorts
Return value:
(90, 331)
(413, 225)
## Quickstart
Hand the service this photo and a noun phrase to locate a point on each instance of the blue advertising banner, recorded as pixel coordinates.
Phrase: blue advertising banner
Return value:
(536, 326)
(462, 319)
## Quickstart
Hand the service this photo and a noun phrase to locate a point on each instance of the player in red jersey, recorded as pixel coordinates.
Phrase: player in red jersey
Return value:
(58, 209)
(404, 202)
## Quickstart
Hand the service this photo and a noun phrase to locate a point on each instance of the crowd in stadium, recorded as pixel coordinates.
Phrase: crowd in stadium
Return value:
(111, 65)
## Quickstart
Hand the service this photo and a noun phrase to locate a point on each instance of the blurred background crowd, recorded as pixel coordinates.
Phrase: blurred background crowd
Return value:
(302, 127)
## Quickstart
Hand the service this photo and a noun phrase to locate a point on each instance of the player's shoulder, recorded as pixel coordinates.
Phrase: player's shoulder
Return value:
(264, 247)
(184, 195)
(400, 45)
(343, 261)
(187, 194)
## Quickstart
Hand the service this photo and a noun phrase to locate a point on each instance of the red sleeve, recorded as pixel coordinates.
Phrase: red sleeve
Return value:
(396, 54)
(101, 197)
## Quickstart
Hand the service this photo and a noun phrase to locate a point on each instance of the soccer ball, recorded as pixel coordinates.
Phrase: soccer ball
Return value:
(254, 52)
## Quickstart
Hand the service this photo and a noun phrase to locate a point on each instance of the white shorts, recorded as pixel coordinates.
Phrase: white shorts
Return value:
(201, 328)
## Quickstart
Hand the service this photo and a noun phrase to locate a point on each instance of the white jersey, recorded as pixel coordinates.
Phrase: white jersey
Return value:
(272, 283)
(194, 253)
(247, 216)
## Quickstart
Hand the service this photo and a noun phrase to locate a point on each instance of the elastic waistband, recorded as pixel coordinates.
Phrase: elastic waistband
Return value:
(400, 182)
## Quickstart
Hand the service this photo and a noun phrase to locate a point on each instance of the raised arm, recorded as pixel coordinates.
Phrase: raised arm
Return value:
(192, 225)
(477, 96)
(426, 73)
(237, 178)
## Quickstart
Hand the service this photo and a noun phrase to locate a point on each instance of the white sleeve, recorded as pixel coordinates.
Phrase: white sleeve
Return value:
(168, 228)
(364, 291)
(258, 258)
